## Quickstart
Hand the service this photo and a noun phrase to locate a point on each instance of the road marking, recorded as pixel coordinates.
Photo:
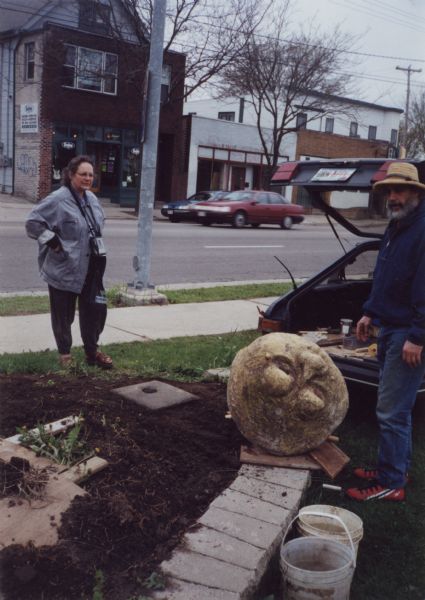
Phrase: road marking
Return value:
(209, 247)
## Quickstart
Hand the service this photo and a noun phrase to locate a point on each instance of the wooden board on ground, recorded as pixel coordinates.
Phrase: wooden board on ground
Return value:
(257, 456)
(24, 520)
(331, 458)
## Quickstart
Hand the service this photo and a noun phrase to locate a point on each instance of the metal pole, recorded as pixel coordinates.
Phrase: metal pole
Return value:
(142, 260)
(409, 70)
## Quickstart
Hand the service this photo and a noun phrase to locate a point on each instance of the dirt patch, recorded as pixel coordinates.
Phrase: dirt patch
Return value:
(165, 467)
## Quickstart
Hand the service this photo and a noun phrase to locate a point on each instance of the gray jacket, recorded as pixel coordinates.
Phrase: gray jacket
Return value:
(59, 214)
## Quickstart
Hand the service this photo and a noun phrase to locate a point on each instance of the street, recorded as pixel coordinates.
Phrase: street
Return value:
(185, 253)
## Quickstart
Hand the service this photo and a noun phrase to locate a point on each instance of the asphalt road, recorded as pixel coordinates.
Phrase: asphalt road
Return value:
(186, 253)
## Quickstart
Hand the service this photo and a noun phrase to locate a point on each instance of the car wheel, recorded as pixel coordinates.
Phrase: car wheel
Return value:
(255, 225)
(205, 222)
(174, 220)
(239, 220)
(286, 223)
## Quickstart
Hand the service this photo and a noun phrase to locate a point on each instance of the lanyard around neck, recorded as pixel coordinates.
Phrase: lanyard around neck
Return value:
(87, 212)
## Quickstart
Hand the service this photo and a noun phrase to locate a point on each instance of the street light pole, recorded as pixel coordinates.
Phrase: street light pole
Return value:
(142, 260)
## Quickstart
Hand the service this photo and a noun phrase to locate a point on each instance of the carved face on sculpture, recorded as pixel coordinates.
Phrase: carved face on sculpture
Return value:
(285, 394)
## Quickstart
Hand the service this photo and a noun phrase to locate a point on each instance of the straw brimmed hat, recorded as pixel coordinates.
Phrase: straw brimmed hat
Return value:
(401, 173)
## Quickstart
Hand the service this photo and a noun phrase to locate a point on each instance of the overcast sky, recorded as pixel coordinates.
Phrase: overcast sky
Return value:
(393, 30)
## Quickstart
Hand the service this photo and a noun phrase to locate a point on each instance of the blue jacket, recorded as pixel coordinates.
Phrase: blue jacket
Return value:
(398, 292)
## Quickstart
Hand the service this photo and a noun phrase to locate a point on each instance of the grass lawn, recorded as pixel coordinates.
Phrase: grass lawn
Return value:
(391, 559)
(28, 305)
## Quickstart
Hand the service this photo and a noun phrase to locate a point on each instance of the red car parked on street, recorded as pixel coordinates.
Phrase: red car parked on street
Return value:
(250, 207)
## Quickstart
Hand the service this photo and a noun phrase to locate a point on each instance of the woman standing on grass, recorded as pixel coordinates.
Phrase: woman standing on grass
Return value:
(68, 227)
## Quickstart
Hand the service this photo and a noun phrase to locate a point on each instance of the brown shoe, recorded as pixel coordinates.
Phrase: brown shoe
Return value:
(100, 360)
(65, 360)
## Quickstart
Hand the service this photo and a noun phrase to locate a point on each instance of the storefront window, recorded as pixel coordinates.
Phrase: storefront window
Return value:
(112, 135)
(131, 167)
(94, 133)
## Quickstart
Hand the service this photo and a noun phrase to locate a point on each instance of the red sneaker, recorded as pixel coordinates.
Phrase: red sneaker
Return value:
(376, 492)
(366, 473)
(371, 474)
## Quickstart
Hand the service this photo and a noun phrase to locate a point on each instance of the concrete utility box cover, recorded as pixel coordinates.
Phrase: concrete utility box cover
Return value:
(155, 394)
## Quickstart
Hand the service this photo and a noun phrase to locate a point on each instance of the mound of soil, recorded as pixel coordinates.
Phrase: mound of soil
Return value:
(165, 467)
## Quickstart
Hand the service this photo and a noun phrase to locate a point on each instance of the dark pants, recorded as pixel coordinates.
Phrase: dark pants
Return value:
(92, 315)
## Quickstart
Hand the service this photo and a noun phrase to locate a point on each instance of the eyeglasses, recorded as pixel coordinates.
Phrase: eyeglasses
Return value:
(396, 189)
(85, 174)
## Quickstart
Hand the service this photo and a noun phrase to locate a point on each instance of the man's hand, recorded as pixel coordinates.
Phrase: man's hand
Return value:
(363, 328)
(412, 354)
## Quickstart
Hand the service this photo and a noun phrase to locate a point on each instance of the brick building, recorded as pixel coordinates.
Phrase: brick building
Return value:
(72, 83)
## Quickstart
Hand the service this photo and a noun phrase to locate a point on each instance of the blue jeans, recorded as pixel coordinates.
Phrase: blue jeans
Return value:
(398, 386)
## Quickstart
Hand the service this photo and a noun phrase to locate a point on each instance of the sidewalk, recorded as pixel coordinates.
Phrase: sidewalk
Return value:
(33, 333)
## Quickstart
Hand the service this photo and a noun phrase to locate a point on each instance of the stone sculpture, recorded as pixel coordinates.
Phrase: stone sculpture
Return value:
(285, 394)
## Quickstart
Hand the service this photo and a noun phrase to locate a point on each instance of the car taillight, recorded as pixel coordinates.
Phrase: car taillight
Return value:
(268, 325)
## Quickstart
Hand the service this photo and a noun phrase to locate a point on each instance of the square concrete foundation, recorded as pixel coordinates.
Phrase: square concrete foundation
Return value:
(155, 395)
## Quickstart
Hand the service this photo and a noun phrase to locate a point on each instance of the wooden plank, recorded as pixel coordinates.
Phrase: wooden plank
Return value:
(85, 469)
(53, 428)
(331, 458)
(257, 456)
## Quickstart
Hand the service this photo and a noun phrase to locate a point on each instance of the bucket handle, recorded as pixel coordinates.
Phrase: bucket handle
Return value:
(317, 513)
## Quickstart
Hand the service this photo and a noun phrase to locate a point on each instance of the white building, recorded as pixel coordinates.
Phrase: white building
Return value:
(225, 150)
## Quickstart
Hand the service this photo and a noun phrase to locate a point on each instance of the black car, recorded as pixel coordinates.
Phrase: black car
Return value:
(183, 210)
(316, 307)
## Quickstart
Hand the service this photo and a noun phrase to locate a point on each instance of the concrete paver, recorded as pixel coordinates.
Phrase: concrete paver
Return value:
(154, 394)
(248, 529)
(182, 590)
(269, 492)
(298, 479)
(223, 546)
(210, 572)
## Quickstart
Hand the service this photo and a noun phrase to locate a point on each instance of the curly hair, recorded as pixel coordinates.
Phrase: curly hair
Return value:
(72, 167)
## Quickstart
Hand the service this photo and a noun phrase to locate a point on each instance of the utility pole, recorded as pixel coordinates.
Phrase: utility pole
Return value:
(408, 70)
(142, 287)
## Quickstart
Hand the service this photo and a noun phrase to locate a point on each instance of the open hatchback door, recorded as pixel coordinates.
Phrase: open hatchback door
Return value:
(342, 189)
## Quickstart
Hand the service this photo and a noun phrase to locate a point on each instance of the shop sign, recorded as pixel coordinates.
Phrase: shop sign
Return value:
(333, 174)
(68, 145)
(29, 118)
(135, 151)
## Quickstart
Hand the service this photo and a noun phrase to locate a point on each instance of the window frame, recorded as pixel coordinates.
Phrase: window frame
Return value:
(354, 129)
(227, 116)
(329, 124)
(372, 132)
(76, 71)
(301, 120)
(94, 16)
(29, 61)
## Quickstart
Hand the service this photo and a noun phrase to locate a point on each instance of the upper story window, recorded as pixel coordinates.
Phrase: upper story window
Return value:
(165, 83)
(371, 135)
(226, 116)
(329, 125)
(301, 122)
(29, 61)
(354, 126)
(94, 16)
(394, 137)
(91, 70)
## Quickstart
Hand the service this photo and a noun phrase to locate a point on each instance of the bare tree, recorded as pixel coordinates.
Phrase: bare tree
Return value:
(210, 34)
(415, 142)
(284, 74)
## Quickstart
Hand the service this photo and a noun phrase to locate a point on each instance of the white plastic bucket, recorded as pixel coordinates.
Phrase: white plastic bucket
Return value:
(315, 568)
(325, 526)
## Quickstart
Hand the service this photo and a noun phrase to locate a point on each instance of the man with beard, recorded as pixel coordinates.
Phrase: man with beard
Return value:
(397, 306)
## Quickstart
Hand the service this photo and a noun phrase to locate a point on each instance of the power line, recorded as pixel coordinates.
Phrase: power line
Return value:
(259, 35)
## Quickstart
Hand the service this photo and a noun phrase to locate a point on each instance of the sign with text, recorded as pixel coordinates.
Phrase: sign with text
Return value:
(29, 118)
(333, 174)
